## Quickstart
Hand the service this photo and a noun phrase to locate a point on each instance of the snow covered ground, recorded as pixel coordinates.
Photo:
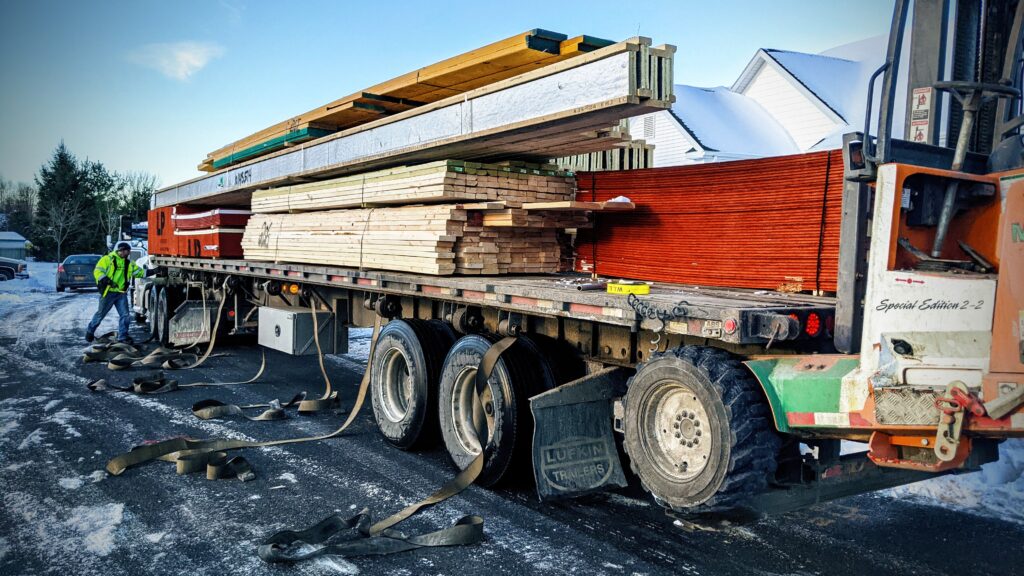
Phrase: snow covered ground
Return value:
(42, 279)
(998, 490)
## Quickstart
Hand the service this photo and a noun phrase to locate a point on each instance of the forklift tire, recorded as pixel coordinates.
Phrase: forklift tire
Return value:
(698, 431)
(403, 382)
(520, 373)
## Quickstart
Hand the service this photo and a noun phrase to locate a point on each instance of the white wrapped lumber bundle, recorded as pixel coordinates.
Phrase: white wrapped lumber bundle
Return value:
(444, 181)
(555, 111)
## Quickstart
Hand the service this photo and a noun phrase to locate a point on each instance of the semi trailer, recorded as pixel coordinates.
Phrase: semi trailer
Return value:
(716, 399)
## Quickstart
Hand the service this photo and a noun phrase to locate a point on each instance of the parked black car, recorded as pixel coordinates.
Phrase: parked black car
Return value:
(11, 269)
(76, 271)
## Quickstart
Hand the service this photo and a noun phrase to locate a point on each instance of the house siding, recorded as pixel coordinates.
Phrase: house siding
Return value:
(670, 141)
(804, 121)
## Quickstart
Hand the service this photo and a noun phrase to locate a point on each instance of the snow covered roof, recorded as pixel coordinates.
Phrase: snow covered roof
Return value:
(722, 120)
(836, 79)
(11, 236)
(833, 80)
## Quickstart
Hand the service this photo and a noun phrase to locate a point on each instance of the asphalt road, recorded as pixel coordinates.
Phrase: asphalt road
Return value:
(63, 514)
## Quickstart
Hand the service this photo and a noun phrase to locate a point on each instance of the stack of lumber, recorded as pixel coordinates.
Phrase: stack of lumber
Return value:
(636, 155)
(416, 238)
(443, 181)
(492, 63)
(439, 239)
(769, 223)
(550, 112)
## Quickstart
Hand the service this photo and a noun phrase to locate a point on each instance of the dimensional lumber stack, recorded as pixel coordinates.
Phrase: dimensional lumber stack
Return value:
(770, 223)
(443, 181)
(517, 229)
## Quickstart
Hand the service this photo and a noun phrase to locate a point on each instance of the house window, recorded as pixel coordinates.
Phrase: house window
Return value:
(648, 127)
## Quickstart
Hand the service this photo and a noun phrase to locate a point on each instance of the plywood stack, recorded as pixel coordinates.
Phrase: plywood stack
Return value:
(486, 65)
(769, 223)
(443, 181)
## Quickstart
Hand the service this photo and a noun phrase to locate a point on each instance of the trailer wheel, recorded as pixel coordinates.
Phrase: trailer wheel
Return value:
(698, 431)
(152, 313)
(162, 318)
(521, 372)
(403, 383)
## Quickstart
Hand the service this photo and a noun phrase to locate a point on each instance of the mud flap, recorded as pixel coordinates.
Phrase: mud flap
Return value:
(574, 450)
(191, 323)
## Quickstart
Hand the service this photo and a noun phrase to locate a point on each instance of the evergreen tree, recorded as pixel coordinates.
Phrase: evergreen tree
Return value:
(62, 210)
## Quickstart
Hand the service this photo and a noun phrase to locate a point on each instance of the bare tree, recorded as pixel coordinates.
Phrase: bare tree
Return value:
(59, 218)
(138, 190)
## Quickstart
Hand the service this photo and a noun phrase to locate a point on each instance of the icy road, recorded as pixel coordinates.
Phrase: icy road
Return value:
(62, 514)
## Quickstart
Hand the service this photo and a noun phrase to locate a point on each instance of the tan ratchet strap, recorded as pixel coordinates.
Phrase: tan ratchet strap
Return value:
(279, 548)
(274, 410)
(379, 538)
(330, 397)
(158, 384)
(163, 450)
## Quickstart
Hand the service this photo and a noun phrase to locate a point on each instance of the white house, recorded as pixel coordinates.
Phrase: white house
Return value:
(782, 103)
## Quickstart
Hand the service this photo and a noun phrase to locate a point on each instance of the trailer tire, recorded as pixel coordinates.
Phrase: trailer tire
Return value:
(521, 372)
(151, 312)
(163, 317)
(404, 380)
(690, 394)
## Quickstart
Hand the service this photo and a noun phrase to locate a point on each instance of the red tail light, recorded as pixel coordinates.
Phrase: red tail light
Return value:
(231, 313)
(60, 269)
(813, 326)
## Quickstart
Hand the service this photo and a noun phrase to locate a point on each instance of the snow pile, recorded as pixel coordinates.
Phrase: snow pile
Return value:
(998, 490)
(42, 277)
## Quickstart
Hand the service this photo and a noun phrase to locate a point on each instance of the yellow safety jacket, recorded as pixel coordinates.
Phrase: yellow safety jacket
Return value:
(118, 270)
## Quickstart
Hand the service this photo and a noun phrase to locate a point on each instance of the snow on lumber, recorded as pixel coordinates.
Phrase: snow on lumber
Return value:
(555, 111)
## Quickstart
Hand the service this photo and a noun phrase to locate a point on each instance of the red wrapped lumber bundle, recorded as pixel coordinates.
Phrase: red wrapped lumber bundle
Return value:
(160, 221)
(770, 223)
(216, 218)
(210, 243)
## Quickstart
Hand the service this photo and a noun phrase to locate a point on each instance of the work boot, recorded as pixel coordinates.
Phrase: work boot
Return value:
(127, 340)
(89, 337)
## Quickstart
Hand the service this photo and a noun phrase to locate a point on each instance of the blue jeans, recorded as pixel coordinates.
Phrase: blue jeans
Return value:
(117, 300)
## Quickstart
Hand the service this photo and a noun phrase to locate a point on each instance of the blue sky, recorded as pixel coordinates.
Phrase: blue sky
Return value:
(154, 86)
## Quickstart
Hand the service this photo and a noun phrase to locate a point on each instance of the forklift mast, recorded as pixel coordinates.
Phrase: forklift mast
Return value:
(963, 78)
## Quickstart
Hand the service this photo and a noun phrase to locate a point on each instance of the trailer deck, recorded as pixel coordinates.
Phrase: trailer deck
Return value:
(675, 309)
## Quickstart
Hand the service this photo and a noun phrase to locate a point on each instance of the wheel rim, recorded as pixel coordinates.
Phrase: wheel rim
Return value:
(463, 399)
(396, 390)
(675, 431)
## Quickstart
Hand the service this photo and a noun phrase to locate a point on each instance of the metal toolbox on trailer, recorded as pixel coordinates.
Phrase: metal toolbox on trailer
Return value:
(290, 330)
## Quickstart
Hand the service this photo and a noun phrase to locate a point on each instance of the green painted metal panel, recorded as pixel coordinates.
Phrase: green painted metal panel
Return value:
(802, 383)
(271, 145)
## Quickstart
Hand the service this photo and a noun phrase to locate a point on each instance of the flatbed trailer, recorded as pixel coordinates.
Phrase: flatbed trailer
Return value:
(710, 396)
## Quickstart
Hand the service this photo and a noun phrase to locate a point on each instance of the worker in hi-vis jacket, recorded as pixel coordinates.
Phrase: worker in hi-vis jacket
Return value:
(112, 273)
